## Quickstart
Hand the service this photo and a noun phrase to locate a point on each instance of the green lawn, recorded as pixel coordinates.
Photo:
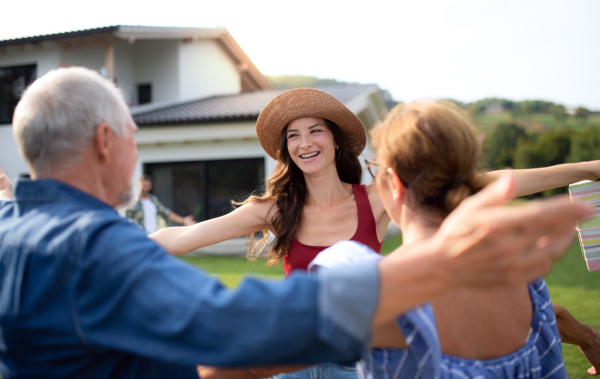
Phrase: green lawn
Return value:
(570, 284)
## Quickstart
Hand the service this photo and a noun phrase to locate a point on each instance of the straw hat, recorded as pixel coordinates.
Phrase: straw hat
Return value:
(306, 102)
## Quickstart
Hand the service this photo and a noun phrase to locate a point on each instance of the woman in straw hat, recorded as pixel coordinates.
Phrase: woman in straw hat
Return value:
(314, 197)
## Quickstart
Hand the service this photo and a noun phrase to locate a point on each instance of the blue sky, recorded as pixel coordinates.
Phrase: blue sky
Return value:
(463, 49)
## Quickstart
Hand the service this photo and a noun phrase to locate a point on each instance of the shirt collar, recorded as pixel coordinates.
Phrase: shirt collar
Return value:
(39, 191)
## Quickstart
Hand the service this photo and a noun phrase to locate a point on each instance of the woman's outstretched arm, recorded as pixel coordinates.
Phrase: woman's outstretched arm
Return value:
(247, 219)
(541, 179)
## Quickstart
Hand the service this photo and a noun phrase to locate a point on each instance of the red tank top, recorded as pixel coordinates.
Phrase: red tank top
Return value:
(300, 255)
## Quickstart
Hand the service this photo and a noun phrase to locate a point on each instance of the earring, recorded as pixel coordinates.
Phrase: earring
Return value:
(337, 147)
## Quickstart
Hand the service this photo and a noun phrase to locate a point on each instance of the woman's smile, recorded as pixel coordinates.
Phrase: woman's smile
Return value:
(308, 156)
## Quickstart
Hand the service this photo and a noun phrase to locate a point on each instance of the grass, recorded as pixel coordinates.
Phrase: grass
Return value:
(569, 282)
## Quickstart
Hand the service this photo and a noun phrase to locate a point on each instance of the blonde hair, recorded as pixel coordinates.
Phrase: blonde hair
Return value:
(432, 146)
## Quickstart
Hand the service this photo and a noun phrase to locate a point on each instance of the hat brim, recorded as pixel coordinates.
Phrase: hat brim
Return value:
(306, 102)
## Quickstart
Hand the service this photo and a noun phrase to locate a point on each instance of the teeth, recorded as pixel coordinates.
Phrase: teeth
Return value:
(309, 155)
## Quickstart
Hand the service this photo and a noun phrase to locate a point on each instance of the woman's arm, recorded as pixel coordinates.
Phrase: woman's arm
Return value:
(247, 219)
(382, 219)
(541, 179)
(576, 333)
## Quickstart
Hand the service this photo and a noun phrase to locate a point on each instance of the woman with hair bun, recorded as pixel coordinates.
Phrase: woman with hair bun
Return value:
(427, 154)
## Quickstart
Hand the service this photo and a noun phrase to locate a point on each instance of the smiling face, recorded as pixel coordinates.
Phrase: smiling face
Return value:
(310, 144)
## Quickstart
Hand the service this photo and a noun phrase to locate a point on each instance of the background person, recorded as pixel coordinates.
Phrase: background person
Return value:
(86, 294)
(149, 213)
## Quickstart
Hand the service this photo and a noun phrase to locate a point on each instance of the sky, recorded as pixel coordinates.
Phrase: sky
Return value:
(461, 49)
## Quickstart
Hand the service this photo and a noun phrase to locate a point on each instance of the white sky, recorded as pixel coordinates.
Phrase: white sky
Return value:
(463, 49)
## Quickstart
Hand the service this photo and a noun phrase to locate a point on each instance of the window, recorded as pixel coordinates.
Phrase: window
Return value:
(13, 82)
(144, 93)
(205, 189)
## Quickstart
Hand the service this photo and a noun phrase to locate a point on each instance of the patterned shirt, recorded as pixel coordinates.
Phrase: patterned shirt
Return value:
(135, 213)
(539, 358)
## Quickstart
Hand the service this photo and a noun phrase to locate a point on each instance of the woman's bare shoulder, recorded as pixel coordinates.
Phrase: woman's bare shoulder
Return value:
(373, 194)
(262, 208)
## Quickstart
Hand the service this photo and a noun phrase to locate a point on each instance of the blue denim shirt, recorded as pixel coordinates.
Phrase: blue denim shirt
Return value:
(85, 294)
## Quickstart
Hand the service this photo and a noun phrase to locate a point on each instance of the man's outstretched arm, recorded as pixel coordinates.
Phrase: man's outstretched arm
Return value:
(577, 333)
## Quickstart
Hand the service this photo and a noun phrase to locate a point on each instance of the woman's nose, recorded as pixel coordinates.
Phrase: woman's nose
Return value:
(305, 142)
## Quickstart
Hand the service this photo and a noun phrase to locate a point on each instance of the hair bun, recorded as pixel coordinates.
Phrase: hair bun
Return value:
(460, 189)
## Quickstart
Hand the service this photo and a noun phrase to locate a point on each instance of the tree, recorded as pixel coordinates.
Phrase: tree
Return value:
(585, 145)
(582, 113)
(540, 150)
(500, 144)
(549, 148)
(559, 112)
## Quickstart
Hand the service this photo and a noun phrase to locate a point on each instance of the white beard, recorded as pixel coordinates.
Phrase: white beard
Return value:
(129, 197)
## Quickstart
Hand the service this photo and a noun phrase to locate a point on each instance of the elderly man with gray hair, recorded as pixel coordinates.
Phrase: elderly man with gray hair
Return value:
(85, 294)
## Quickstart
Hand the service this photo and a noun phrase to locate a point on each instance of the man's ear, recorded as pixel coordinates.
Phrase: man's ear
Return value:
(396, 185)
(104, 142)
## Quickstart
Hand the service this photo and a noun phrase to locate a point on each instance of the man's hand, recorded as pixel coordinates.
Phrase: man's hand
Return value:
(482, 244)
(5, 185)
(489, 244)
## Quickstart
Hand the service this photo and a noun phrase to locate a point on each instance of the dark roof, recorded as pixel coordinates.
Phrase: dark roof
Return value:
(238, 107)
(55, 36)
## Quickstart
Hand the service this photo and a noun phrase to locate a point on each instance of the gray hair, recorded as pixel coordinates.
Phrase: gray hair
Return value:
(59, 114)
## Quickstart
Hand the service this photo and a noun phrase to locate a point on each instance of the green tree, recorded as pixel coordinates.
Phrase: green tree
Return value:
(540, 150)
(559, 112)
(585, 145)
(546, 149)
(500, 144)
(582, 113)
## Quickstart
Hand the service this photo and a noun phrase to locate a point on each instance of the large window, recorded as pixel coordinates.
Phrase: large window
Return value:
(13, 82)
(205, 189)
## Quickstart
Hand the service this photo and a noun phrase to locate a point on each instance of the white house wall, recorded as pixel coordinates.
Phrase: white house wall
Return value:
(125, 72)
(10, 160)
(155, 62)
(205, 69)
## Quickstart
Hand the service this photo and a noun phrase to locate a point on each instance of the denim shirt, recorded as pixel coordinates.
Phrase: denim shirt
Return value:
(85, 294)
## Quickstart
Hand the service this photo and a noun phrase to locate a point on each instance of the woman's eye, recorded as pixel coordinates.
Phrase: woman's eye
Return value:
(291, 135)
(316, 131)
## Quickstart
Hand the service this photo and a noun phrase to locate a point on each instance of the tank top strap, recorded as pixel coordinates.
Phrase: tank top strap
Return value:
(365, 214)
(367, 227)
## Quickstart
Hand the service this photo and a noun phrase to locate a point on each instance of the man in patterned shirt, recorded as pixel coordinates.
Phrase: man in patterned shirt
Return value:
(149, 213)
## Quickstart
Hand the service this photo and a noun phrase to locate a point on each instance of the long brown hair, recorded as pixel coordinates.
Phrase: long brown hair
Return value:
(432, 145)
(287, 187)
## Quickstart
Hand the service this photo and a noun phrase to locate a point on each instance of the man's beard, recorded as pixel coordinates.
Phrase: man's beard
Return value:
(129, 197)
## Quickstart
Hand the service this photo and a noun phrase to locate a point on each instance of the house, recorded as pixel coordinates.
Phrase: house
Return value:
(194, 94)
